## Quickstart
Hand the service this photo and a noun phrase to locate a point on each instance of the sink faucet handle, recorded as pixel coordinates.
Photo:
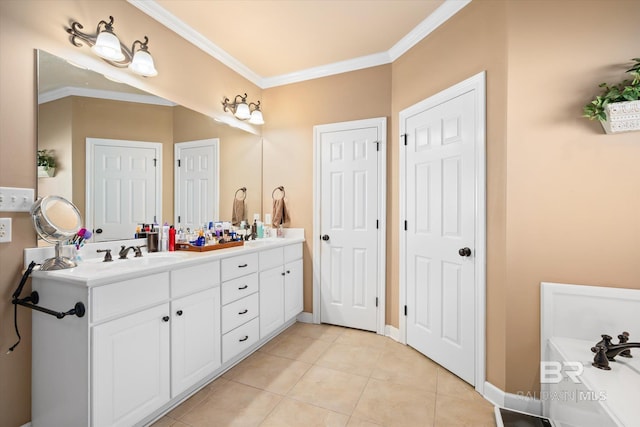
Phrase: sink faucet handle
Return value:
(107, 255)
(624, 338)
(600, 360)
(138, 251)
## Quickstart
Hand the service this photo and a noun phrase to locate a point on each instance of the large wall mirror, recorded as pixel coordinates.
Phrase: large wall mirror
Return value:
(79, 108)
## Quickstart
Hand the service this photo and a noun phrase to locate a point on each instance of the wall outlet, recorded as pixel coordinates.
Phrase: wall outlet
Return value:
(16, 199)
(5, 230)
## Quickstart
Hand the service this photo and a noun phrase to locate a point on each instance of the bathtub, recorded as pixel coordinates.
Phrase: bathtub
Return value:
(573, 392)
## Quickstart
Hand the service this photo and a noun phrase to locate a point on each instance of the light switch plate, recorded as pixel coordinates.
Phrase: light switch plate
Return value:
(5, 230)
(16, 199)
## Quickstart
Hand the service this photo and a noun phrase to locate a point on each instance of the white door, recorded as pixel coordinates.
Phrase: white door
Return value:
(195, 338)
(440, 238)
(130, 362)
(350, 206)
(123, 187)
(197, 183)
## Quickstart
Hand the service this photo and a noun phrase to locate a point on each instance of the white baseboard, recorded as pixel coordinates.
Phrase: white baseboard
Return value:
(518, 402)
(305, 317)
(392, 332)
(26, 425)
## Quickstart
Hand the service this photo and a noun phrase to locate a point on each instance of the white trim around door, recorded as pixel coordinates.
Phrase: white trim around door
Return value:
(478, 84)
(381, 124)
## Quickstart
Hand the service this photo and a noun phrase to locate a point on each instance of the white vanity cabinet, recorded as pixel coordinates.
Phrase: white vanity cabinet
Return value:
(280, 287)
(152, 337)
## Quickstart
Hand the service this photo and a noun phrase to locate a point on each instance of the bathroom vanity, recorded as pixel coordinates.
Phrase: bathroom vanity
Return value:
(156, 328)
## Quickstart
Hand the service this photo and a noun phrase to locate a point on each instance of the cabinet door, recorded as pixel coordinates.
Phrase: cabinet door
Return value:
(130, 360)
(293, 286)
(271, 300)
(195, 338)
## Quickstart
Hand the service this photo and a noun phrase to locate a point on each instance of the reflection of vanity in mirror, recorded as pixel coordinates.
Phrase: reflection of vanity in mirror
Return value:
(79, 108)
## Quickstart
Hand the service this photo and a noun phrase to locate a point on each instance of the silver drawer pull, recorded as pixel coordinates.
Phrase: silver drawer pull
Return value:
(246, 337)
(242, 288)
(244, 312)
(243, 265)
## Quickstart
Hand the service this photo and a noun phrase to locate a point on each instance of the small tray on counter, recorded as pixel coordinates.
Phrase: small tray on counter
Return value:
(206, 248)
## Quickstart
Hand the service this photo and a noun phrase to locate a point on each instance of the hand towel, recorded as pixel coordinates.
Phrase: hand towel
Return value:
(238, 213)
(280, 213)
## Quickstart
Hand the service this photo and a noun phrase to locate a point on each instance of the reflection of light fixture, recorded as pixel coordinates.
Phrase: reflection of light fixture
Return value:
(244, 111)
(107, 46)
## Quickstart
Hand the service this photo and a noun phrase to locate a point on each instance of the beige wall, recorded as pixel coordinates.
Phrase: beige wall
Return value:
(572, 191)
(561, 194)
(473, 41)
(293, 110)
(26, 25)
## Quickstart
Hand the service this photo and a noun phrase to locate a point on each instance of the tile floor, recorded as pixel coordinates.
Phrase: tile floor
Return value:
(322, 375)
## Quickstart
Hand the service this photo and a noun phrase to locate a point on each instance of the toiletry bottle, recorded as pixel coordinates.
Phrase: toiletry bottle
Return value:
(172, 239)
(260, 230)
(254, 229)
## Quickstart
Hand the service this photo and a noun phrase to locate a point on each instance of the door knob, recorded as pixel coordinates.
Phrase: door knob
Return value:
(325, 237)
(464, 252)
(179, 312)
(99, 231)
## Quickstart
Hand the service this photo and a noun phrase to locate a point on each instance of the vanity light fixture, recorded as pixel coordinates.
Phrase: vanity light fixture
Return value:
(244, 111)
(107, 46)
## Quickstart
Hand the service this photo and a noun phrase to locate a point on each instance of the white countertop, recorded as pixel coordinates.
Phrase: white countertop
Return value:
(619, 388)
(93, 272)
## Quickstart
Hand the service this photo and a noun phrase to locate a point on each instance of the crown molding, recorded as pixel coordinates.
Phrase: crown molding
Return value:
(63, 92)
(422, 30)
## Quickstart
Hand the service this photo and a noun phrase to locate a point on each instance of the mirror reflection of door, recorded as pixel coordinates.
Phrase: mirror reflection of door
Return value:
(123, 187)
(197, 182)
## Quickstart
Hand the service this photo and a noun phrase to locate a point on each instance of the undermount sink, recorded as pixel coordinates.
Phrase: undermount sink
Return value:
(146, 260)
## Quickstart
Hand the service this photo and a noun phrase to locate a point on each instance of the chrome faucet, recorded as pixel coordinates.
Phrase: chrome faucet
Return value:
(606, 351)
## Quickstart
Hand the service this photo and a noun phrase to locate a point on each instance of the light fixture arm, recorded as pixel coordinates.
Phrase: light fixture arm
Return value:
(77, 36)
(233, 106)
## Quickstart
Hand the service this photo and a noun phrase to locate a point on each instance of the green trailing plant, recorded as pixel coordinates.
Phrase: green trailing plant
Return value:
(627, 90)
(46, 159)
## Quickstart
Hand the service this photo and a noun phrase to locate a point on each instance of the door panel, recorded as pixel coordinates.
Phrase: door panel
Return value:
(124, 189)
(348, 216)
(440, 208)
(197, 183)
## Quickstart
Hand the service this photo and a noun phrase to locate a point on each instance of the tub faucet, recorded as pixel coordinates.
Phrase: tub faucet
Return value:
(606, 351)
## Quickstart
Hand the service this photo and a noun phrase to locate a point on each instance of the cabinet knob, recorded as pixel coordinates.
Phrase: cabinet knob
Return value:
(283, 273)
(179, 312)
(165, 319)
(288, 271)
(246, 337)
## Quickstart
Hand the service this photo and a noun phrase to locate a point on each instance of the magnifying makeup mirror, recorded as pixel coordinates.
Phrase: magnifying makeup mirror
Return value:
(56, 220)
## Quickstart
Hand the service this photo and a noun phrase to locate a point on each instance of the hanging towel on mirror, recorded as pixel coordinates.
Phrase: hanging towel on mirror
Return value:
(238, 214)
(280, 213)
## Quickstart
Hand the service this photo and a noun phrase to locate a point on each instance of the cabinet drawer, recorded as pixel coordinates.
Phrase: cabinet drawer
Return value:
(292, 252)
(239, 266)
(271, 258)
(129, 295)
(195, 278)
(239, 288)
(240, 339)
(239, 312)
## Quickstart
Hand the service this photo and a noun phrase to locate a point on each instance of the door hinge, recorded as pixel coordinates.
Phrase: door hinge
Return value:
(154, 220)
(404, 136)
(405, 225)
(155, 161)
(179, 163)
(377, 224)
(376, 301)
(405, 310)
(179, 221)
(377, 145)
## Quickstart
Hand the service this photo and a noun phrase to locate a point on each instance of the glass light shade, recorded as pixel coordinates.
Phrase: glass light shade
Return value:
(242, 111)
(142, 63)
(256, 118)
(108, 47)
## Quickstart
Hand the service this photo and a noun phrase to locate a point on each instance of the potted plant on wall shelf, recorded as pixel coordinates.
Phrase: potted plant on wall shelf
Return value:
(46, 164)
(618, 107)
